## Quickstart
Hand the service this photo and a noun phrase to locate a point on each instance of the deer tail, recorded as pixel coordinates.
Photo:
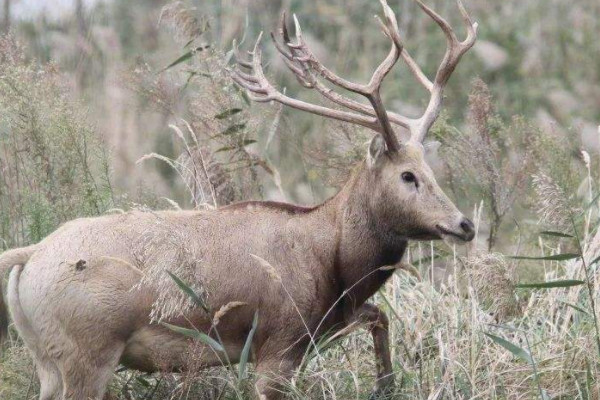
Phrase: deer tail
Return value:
(8, 260)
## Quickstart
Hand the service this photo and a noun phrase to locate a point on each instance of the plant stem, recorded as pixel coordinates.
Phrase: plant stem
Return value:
(535, 371)
(588, 283)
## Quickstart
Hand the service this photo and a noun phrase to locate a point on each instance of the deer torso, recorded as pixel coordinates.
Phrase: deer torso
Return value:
(302, 269)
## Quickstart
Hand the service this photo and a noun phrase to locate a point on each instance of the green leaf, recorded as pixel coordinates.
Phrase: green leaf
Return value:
(228, 113)
(203, 337)
(191, 333)
(589, 378)
(574, 306)
(189, 42)
(195, 334)
(513, 348)
(551, 284)
(233, 129)
(426, 259)
(189, 291)
(554, 233)
(248, 142)
(192, 74)
(185, 57)
(143, 381)
(555, 257)
(246, 350)
(226, 148)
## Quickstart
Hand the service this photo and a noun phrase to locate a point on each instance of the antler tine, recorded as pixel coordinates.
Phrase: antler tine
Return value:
(454, 51)
(285, 35)
(283, 32)
(238, 57)
(288, 55)
(246, 77)
(471, 26)
(257, 65)
(397, 47)
(259, 89)
(443, 24)
(455, 48)
(301, 69)
(370, 90)
(281, 48)
(392, 30)
(305, 79)
(299, 58)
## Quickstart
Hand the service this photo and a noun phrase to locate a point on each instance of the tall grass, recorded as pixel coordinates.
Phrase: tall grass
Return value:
(476, 326)
(53, 165)
(53, 168)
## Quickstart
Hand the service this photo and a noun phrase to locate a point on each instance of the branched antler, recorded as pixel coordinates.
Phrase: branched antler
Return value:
(309, 71)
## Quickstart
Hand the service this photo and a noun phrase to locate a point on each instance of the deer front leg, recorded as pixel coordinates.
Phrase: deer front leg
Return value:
(275, 364)
(272, 374)
(377, 323)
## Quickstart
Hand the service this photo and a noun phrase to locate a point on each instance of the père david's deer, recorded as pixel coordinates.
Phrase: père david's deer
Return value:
(81, 301)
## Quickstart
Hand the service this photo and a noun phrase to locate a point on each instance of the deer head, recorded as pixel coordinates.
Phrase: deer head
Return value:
(404, 197)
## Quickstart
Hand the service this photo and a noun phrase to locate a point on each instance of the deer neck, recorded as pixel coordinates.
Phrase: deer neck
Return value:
(363, 247)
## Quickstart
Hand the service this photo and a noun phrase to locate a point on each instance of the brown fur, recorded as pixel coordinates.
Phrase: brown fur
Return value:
(80, 308)
(275, 205)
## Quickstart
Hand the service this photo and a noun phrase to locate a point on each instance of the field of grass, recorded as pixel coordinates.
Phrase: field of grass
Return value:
(106, 108)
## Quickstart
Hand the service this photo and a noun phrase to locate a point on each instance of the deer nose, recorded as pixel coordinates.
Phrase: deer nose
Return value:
(468, 229)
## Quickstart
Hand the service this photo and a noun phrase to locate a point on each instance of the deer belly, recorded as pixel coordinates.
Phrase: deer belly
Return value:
(153, 348)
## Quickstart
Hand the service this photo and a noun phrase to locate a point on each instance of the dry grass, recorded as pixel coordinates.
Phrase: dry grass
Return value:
(164, 245)
(441, 346)
(53, 165)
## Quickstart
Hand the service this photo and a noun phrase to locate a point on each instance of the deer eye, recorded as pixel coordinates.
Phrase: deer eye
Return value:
(409, 177)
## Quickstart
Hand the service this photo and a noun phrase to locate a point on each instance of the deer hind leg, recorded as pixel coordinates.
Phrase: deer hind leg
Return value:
(48, 373)
(85, 377)
(50, 380)
(377, 323)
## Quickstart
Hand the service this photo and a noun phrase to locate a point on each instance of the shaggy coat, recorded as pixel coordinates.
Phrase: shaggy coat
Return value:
(90, 295)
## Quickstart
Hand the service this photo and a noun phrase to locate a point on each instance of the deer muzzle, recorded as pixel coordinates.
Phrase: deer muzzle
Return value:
(463, 231)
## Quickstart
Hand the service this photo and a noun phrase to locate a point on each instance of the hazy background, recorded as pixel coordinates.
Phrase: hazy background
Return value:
(540, 60)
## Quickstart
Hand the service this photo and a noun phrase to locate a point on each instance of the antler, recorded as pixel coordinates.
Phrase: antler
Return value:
(261, 90)
(455, 49)
(308, 70)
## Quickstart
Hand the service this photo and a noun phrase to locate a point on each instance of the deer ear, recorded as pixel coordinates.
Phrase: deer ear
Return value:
(377, 148)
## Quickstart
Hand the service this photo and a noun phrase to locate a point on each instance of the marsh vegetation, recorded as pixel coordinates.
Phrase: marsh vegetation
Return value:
(120, 105)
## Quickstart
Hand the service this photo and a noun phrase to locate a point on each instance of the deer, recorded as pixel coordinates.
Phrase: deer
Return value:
(82, 304)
